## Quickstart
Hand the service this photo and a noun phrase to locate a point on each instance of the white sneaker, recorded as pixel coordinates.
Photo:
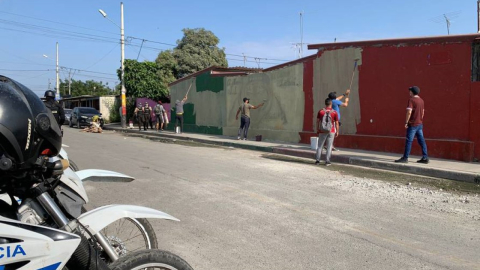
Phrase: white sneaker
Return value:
(238, 138)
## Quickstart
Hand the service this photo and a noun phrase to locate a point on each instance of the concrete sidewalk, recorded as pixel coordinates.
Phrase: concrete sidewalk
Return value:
(447, 169)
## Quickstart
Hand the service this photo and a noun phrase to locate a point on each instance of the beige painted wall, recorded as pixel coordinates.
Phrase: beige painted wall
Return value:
(332, 73)
(282, 116)
(106, 103)
(209, 106)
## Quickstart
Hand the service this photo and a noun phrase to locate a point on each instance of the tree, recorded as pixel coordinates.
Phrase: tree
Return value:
(142, 80)
(90, 87)
(167, 67)
(197, 50)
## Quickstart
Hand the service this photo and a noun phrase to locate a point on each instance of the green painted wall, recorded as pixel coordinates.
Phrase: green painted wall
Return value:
(204, 110)
(205, 82)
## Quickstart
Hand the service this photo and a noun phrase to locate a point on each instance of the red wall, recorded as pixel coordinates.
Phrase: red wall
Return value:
(441, 71)
(452, 101)
(474, 131)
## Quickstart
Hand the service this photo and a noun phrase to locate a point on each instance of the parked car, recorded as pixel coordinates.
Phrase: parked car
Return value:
(68, 114)
(82, 116)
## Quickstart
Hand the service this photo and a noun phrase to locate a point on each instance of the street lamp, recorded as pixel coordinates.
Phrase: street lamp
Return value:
(122, 42)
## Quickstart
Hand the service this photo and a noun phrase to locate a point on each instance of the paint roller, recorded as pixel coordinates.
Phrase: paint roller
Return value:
(353, 73)
(194, 79)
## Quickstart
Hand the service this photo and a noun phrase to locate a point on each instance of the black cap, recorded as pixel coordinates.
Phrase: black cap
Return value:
(415, 90)
(332, 95)
(245, 99)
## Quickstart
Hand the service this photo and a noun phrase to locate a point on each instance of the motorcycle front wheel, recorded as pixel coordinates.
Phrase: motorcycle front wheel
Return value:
(128, 235)
(151, 259)
(73, 166)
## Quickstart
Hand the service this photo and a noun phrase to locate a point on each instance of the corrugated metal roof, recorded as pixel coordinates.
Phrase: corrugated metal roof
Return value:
(395, 41)
(294, 62)
(220, 69)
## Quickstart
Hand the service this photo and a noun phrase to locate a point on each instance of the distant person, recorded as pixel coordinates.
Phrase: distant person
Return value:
(138, 113)
(54, 107)
(159, 112)
(179, 113)
(95, 126)
(245, 118)
(337, 103)
(148, 116)
(328, 128)
(414, 126)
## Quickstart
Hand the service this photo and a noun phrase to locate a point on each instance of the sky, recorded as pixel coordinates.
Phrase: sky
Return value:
(265, 31)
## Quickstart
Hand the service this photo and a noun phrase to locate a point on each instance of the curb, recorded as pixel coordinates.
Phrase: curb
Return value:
(337, 158)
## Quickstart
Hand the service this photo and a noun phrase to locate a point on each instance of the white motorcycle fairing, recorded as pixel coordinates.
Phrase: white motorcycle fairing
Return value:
(99, 218)
(71, 179)
(85, 174)
(34, 247)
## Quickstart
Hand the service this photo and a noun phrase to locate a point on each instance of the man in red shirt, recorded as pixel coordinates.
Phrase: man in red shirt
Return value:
(327, 127)
(414, 126)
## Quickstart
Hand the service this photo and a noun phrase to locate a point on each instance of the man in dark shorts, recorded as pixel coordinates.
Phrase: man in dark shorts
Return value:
(414, 126)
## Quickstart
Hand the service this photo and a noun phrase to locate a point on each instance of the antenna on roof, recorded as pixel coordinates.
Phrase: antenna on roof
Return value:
(446, 18)
(301, 34)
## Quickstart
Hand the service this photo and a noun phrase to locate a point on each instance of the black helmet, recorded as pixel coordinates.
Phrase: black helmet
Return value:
(49, 93)
(27, 127)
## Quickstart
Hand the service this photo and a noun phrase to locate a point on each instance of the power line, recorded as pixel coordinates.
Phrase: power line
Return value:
(25, 69)
(58, 23)
(102, 57)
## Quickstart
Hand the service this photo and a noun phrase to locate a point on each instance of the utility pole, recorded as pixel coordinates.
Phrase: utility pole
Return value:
(124, 91)
(478, 16)
(122, 60)
(70, 75)
(57, 95)
(258, 61)
(245, 58)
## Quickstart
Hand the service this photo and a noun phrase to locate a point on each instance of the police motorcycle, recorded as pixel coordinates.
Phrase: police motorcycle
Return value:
(27, 174)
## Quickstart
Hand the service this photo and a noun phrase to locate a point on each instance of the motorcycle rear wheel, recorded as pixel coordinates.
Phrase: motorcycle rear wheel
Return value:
(151, 259)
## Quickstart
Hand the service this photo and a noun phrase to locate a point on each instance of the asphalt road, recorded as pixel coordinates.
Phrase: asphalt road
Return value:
(240, 210)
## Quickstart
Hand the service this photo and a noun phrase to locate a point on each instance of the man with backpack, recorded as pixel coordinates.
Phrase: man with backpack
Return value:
(159, 111)
(328, 128)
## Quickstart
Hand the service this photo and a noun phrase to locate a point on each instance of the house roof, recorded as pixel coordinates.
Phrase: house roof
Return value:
(396, 41)
(220, 71)
(300, 60)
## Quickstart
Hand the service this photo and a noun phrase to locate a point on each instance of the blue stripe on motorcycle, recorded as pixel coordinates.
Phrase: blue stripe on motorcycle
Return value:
(51, 267)
(2, 267)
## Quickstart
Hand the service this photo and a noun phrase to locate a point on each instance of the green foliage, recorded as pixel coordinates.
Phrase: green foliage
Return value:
(142, 80)
(115, 111)
(167, 67)
(198, 50)
(80, 88)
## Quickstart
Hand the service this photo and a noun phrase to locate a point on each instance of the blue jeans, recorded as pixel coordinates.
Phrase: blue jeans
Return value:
(411, 132)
